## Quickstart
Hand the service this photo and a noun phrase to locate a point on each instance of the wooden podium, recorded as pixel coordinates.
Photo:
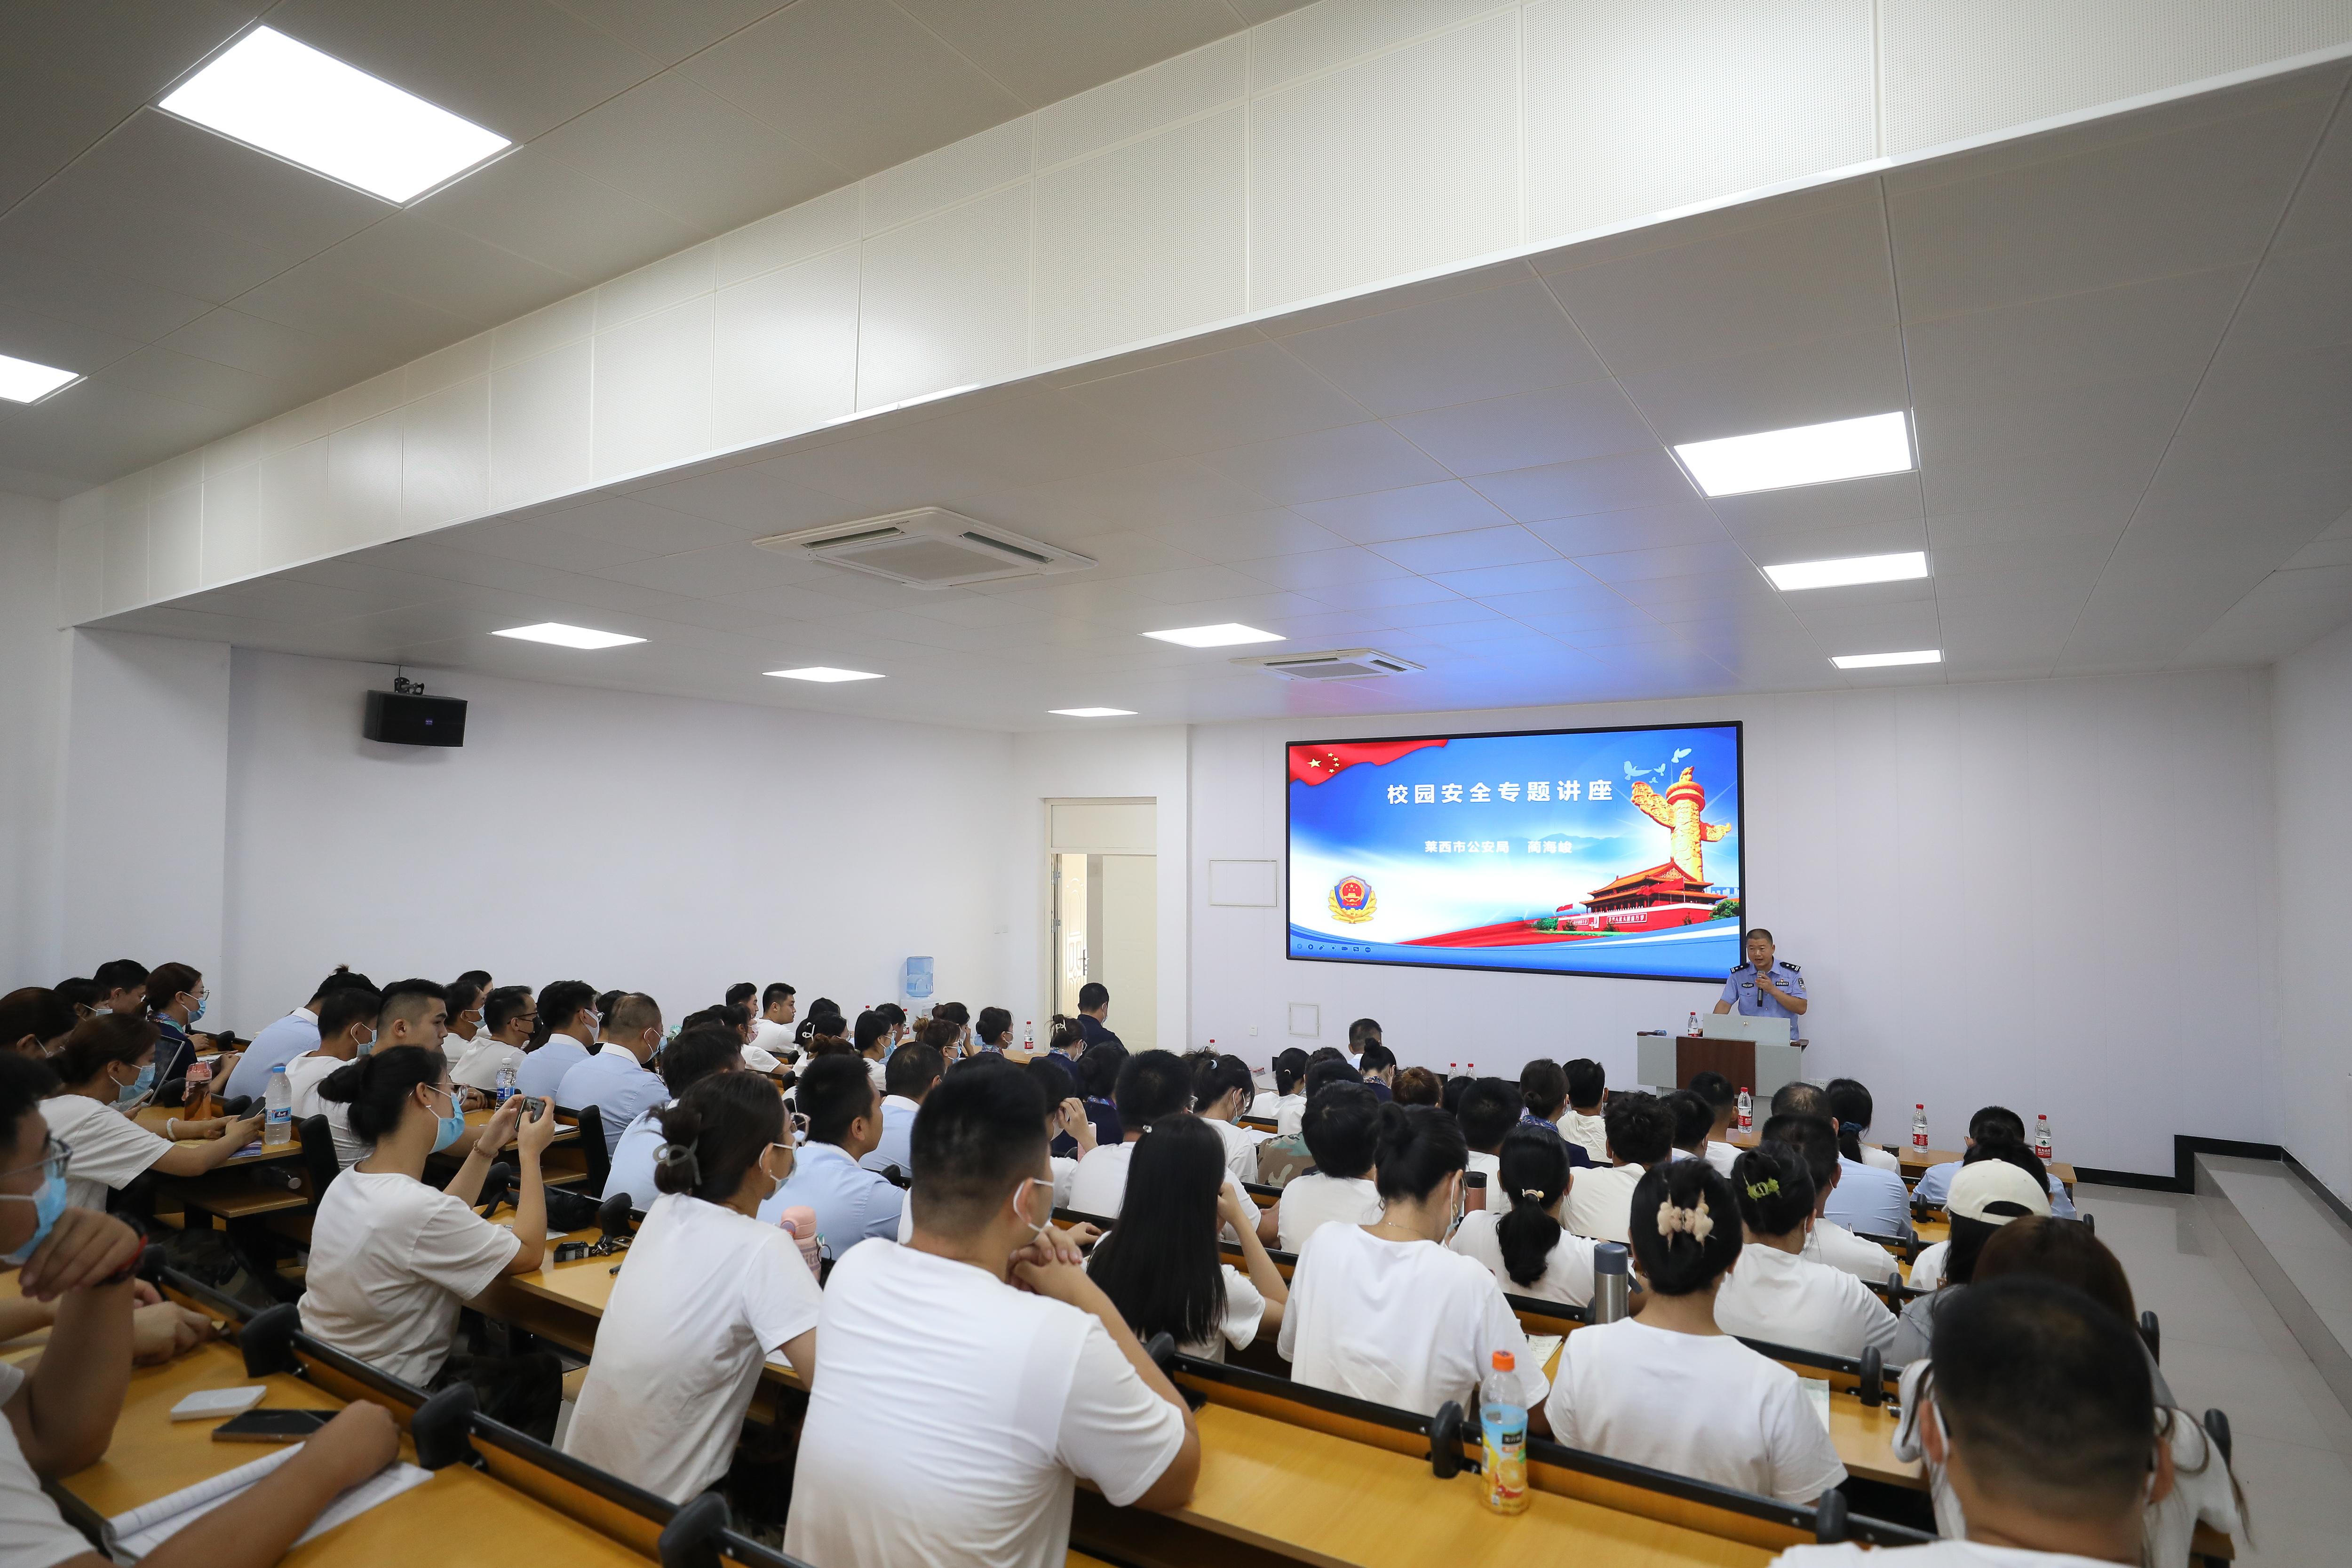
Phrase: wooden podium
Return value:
(1761, 1066)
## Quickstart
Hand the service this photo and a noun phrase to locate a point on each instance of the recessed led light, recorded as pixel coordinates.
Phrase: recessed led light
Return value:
(22, 381)
(1881, 660)
(1804, 455)
(561, 636)
(1852, 569)
(1227, 634)
(1093, 712)
(823, 672)
(308, 108)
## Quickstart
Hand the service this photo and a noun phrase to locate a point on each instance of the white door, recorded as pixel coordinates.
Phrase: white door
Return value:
(1104, 913)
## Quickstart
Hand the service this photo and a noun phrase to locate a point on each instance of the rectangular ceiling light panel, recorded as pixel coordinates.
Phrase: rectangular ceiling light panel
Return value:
(1852, 569)
(22, 381)
(823, 672)
(287, 98)
(1804, 455)
(1884, 660)
(1092, 713)
(561, 636)
(1225, 634)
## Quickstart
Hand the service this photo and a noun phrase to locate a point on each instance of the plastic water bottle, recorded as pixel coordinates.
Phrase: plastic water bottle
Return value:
(1028, 1034)
(277, 1122)
(1747, 1109)
(506, 1082)
(198, 1100)
(2042, 1137)
(1503, 1437)
(1693, 1028)
(1919, 1127)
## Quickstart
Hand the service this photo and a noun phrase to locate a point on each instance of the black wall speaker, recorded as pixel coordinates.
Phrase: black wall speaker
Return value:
(415, 720)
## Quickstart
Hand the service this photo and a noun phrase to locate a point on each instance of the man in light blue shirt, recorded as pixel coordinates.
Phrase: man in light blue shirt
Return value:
(845, 1125)
(288, 1037)
(1994, 1123)
(695, 1055)
(1762, 988)
(1866, 1200)
(567, 1012)
(616, 1081)
(912, 1072)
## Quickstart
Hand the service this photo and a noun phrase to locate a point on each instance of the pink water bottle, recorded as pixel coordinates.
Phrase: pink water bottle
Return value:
(801, 1220)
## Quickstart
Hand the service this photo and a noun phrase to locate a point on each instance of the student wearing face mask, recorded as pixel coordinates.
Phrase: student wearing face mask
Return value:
(1023, 1380)
(108, 1064)
(509, 1017)
(122, 986)
(347, 1026)
(175, 999)
(707, 1294)
(393, 1258)
(465, 994)
(2038, 1427)
(35, 1021)
(60, 1412)
(1384, 1311)
(566, 1033)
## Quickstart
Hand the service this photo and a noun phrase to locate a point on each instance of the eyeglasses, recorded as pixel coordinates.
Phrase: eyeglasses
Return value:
(55, 1155)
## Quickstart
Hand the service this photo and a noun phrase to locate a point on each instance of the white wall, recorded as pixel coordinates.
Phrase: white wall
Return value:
(32, 706)
(2311, 719)
(662, 844)
(145, 801)
(2058, 894)
(1149, 762)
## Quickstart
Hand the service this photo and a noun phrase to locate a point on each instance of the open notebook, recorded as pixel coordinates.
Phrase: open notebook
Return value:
(131, 1535)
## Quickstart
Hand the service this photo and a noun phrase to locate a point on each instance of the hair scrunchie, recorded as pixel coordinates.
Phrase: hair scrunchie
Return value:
(681, 1157)
(1533, 1194)
(1695, 1220)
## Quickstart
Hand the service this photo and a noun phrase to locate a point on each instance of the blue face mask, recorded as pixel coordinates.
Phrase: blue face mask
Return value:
(137, 1086)
(452, 1125)
(48, 1205)
(197, 1011)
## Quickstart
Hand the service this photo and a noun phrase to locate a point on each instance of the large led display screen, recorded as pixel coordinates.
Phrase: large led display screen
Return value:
(1611, 852)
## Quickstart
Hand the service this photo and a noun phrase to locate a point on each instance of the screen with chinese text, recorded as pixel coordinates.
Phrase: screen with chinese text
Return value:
(1607, 852)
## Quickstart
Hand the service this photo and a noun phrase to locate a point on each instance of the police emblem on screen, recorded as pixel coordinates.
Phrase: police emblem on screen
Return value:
(1351, 900)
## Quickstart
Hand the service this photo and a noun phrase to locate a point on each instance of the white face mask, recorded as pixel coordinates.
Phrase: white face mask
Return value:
(1036, 1231)
(1951, 1523)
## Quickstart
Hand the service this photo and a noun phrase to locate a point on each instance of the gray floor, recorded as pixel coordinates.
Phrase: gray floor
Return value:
(2227, 1345)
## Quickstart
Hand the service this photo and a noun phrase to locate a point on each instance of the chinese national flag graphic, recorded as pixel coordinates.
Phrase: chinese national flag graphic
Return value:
(1313, 764)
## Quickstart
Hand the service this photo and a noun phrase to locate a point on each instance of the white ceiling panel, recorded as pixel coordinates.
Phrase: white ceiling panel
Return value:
(2116, 472)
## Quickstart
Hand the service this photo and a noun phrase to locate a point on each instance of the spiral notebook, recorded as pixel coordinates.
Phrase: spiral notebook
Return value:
(133, 1535)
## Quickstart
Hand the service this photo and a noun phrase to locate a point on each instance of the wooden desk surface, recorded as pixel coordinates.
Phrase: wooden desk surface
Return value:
(1326, 1499)
(564, 1134)
(153, 1456)
(155, 1117)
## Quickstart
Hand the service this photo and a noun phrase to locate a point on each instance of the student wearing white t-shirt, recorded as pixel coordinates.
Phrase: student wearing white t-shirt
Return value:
(392, 1260)
(103, 1057)
(1383, 1311)
(1487, 1112)
(1342, 1133)
(1722, 1101)
(1160, 1264)
(509, 1015)
(2040, 1429)
(982, 1360)
(465, 994)
(1222, 1088)
(1670, 1389)
(1641, 1134)
(698, 1051)
(1777, 1294)
(347, 1025)
(1289, 1076)
(1150, 1085)
(706, 1294)
(61, 1410)
(1585, 1122)
(1814, 1138)
(1517, 1235)
(772, 1031)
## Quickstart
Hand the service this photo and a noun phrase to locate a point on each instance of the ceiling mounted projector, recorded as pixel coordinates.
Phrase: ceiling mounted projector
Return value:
(929, 548)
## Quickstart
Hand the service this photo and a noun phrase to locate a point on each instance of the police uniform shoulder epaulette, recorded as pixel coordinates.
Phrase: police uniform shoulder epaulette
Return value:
(1738, 969)
(1791, 967)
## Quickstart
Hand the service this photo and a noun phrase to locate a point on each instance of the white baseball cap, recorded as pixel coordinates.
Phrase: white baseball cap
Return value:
(1996, 1192)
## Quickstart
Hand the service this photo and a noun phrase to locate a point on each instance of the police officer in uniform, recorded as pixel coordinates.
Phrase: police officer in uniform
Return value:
(1763, 986)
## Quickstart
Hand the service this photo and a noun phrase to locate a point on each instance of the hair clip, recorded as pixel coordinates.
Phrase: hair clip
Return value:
(1766, 1188)
(681, 1157)
(1673, 1218)
(1533, 1194)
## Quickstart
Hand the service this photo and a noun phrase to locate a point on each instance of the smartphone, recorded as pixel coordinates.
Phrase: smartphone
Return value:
(272, 1425)
(531, 1106)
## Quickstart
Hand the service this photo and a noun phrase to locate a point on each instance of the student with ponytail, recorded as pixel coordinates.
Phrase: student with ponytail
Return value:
(1159, 1265)
(392, 1258)
(706, 1293)
(1669, 1388)
(1289, 1078)
(1383, 1311)
(1517, 1235)
(1778, 1294)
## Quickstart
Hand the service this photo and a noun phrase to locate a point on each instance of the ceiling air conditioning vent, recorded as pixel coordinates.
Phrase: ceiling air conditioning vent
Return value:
(1336, 664)
(929, 548)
